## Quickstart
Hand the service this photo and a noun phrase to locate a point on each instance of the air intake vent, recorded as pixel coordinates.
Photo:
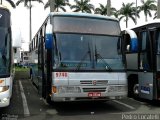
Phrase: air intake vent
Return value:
(94, 89)
(94, 82)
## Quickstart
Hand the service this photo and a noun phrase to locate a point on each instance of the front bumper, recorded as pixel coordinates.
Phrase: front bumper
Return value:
(62, 97)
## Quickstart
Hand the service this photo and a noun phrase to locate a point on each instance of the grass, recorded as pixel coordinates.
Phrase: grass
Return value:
(22, 69)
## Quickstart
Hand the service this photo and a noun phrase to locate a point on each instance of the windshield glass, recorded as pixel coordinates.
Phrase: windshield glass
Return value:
(4, 51)
(79, 51)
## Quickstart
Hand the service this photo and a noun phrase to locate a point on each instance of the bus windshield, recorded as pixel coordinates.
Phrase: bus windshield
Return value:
(5, 41)
(4, 51)
(87, 52)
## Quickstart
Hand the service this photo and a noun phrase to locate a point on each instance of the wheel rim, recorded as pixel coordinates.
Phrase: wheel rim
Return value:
(135, 89)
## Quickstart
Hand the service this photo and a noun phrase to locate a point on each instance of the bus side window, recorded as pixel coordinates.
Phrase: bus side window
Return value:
(158, 42)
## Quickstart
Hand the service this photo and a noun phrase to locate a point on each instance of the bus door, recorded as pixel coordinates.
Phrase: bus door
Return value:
(157, 66)
(145, 76)
(41, 75)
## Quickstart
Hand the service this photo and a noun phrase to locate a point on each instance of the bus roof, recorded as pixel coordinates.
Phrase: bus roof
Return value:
(3, 7)
(77, 14)
(156, 21)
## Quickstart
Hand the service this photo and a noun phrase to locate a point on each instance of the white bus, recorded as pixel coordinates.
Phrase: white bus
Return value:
(79, 58)
(142, 51)
(6, 75)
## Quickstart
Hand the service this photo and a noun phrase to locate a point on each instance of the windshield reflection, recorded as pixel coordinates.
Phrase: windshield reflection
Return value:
(78, 52)
(4, 51)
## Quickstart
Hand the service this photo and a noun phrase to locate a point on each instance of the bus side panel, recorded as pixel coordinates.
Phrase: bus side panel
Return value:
(146, 85)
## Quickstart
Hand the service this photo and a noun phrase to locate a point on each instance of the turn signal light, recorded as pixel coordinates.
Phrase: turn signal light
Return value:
(1, 81)
(54, 89)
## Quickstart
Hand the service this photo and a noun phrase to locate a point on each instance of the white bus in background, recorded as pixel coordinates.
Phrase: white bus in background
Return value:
(78, 58)
(6, 66)
(16, 44)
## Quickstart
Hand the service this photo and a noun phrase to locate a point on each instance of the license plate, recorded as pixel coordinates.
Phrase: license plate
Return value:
(94, 94)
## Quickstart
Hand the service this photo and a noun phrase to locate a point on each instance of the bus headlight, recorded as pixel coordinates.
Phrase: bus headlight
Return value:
(64, 89)
(117, 88)
(122, 88)
(113, 89)
(4, 88)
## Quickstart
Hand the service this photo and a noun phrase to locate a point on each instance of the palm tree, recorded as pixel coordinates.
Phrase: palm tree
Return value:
(155, 15)
(10, 2)
(59, 4)
(128, 11)
(115, 13)
(30, 12)
(103, 10)
(147, 7)
(158, 9)
(83, 6)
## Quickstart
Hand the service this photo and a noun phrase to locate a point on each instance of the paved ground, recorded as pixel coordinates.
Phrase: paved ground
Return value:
(26, 104)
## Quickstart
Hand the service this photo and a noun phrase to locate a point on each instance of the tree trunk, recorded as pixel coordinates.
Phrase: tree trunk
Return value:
(146, 18)
(158, 9)
(126, 22)
(1, 2)
(52, 5)
(30, 21)
(108, 7)
(136, 14)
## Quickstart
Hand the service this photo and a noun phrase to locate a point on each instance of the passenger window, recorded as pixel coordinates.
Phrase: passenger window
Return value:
(144, 39)
(158, 41)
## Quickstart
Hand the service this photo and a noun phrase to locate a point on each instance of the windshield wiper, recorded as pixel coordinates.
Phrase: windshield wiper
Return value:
(97, 55)
(83, 58)
(4, 59)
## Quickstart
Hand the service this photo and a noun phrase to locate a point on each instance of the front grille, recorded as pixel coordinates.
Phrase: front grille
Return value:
(103, 89)
(94, 82)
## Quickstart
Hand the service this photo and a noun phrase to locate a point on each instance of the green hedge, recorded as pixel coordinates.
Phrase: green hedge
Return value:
(21, 69)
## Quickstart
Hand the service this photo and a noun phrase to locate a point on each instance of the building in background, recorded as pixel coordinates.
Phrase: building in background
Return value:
(16, 44)
(25, 57)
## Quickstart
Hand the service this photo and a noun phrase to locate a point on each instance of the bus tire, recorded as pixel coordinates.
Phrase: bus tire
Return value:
(133, 86)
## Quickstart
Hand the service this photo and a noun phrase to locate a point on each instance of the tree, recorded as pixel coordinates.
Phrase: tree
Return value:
(155, 15)
(108, 7)
(30, 12)
(115, 12)
(147, 7)
(59, 4)
(128, 11)
(10, 2)
(83, 6)
(103, 10)
(158, 8)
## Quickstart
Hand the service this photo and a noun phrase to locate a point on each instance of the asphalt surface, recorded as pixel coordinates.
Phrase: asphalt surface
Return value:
(27, 104)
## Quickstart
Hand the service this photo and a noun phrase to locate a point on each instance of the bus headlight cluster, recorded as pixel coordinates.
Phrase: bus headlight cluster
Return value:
(117, 88)
(64, 89)
(4, 88)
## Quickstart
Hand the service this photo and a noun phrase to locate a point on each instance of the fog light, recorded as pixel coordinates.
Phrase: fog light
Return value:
(4, 88)
(4, 100)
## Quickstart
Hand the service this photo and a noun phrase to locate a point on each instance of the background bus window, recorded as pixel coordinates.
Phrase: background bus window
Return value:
(144, 38)
(158, 41)
(158, 51)
(145, 54)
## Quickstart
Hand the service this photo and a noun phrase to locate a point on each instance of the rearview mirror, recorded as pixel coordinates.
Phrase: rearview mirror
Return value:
(49, 37)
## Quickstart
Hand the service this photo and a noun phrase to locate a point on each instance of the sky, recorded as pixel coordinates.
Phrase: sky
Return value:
(20, 17)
